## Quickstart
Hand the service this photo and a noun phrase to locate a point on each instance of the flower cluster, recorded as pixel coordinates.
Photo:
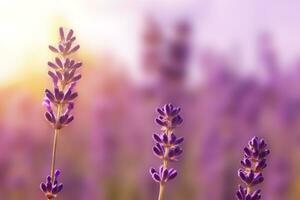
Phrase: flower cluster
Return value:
(253, 163)
(167, 146)
(52, 187)
(64, 79)
(169, 118)
(65, 46)
(163, 174)
(171, 142)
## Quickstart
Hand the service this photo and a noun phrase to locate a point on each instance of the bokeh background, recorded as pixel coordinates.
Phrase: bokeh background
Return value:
(233, 66)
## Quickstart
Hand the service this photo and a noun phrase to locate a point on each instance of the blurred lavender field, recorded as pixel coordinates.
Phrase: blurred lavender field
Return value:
(233, 69)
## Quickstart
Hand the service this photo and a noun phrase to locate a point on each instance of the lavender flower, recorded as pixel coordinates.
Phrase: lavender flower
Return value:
(60, 102)
(253, 163)
(163, 174)
(52, 187)
(167, 146)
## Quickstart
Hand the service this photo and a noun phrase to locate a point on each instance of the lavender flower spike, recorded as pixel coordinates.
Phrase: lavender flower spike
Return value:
(59, 102)
(52, 187)
(167, 145)
(253, 163)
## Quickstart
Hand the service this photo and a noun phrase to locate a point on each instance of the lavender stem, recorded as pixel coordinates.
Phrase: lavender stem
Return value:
(55, 139)
(165, 164)
(161, 191)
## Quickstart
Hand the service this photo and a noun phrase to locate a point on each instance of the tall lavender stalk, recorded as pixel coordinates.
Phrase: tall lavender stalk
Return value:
(253, 163)
(167, 145)
(60, 102)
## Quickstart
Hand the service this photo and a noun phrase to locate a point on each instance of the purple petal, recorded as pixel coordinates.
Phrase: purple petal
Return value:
(49, 95)
(156, 177)
(247, 151)
(160, 111)
(73, 96)
(61, 48)
(49, 186)
(167, 109)
(74, 49)
(63, 119)
(172, 175)
(70, 34)
(68, 46)
(156, 138)
(161, 169)
(165, 174)
(58, 62)
(152, 170)
(72, 63)
(157, 151)
(77, 65)
(43, 187)
(49, 117)
(76, 78)
(61, 33)
(72, 39)
(60, 187)
(57, 173)
(179, 140)
(67, 63)
(159, 122)
(165, 138)
(53, 49)
(53, 76)
(70, 119)
(58, 74)
(52, 65)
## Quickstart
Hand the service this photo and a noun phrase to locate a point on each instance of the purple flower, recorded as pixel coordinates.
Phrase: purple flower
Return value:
(172, 142)
(253, 163)
(167, 144)
(65, 45)
(52, 187)
(163, 175)
(169, 118)
(63, 72)
(60, 101)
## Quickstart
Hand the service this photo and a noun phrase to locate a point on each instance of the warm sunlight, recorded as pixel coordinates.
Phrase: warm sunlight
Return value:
(25, 31)
(28, 26)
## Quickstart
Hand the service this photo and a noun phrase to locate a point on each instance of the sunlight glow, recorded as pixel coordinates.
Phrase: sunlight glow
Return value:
(25, 32)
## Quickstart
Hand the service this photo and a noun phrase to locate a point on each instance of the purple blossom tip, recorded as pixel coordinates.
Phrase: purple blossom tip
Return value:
(64, 77)
(169, 117)
(51, 187)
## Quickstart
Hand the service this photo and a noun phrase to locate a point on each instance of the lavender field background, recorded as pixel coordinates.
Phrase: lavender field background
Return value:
(233, 68)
